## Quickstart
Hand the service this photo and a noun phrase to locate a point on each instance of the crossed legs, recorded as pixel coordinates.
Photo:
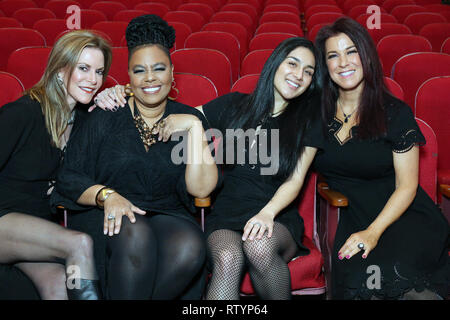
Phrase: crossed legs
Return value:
(39, 247)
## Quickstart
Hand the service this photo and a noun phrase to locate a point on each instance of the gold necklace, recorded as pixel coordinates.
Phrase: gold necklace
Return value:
(149, 136)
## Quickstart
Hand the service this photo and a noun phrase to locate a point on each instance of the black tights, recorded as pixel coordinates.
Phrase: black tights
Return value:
(158, 257)
(266, 258)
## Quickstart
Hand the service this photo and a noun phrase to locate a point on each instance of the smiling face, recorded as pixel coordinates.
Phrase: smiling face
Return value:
(151, 76)
(294, 75)
(344, 63)
(86, 77)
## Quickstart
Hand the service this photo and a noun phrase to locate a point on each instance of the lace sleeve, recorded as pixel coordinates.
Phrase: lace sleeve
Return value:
(403, 131)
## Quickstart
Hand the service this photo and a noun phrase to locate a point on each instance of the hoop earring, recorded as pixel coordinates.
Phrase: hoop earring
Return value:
(60, 80)
(128, 90)
(174, 89)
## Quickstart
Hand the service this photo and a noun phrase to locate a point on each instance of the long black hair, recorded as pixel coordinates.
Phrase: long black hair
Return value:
(371, 114)
(295, 119)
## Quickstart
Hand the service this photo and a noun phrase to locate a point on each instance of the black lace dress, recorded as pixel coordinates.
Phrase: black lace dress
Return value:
(412, 253)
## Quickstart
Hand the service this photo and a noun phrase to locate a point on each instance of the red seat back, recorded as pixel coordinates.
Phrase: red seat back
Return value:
(128, 15)
(28, 64)
(436, 33)
(428, 158)
(210, 63)
(51, 29)
(8, 22)
(416, 21)
(160, 9)
(233, 28)
(322, 17)
(394, 88)
(389, 5)
(432, 106)
(109, 8)
(268, 40)
(12, 88)
(89, 17)
(245, 84)
(29, 16)
(254, 61)
(411, 70)
(393, 47)
(8, 7)
(59, 7)
(15, 38)
(388, 29)
(446, 46)
(403, 11)
(193, 89)
(283, 27)
(193, 19)
(221, 41)
(114, 29)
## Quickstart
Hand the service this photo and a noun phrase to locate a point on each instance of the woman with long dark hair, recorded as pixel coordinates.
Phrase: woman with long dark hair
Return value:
(267, 149)
(371, 155)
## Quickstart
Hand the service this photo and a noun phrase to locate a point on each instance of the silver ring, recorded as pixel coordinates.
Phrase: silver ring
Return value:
(361, 246)
(111, 217)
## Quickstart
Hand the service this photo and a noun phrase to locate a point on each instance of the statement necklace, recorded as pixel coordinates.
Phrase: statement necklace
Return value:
(149, 136)
(346, 116)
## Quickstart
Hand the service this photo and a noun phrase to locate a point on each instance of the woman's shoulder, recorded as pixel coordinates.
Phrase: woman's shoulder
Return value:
(24, 108)
(396, 108)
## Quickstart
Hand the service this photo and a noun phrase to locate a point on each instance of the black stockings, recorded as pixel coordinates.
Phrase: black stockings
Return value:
(155, 258)
(266, 258)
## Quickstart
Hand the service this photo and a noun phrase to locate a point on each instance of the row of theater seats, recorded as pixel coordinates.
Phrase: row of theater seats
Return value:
(421, 79)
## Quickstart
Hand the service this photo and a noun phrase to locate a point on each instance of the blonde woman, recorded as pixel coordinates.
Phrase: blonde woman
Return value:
(34, 131)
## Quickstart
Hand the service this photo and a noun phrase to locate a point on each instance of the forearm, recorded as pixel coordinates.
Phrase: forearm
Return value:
(201, 171)
(397, 204)
(87, 198)
(284, 196)
(290, 189)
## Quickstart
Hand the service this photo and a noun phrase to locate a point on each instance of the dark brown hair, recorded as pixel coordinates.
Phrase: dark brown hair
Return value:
(371, 114)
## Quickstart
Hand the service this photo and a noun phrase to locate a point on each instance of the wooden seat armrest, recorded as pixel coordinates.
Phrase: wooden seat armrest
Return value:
(445, 189)
(332, 197)
(203, 202)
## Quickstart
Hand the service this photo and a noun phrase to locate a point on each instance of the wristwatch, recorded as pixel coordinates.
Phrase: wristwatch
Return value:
(102, 195)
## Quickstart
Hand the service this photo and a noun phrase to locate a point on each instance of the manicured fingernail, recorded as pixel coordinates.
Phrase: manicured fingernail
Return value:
(347, 257)
(364, 256)
(340, 257)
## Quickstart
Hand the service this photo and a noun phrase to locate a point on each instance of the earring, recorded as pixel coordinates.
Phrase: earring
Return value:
(128, 91)
(174, 89)
(60, 80)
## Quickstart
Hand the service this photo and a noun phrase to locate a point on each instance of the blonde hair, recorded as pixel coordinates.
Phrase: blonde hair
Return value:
(50, 93)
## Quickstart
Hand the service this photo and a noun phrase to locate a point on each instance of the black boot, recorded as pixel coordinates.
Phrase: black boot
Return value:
(89, 290)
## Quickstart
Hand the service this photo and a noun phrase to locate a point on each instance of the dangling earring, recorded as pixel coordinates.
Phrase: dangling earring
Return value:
(128, 90)
(174, 84)
(60, 80)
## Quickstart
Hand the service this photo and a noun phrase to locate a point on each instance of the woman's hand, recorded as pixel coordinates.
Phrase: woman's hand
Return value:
(176, 123)
(257, 225)
(367, 237)
(110, 99)
(117, 206)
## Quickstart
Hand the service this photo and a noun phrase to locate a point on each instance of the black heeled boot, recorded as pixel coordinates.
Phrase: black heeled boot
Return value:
(89, 290)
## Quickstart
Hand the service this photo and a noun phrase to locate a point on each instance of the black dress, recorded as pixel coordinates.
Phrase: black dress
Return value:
(245, 190)
(412, 252)
(108, 150)
(28, 166)
(28, 160)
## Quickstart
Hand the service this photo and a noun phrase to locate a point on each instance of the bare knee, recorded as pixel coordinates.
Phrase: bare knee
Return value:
(80, 244)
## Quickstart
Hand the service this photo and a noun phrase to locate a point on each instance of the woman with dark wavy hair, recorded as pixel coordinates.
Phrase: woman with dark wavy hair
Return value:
(371, 155)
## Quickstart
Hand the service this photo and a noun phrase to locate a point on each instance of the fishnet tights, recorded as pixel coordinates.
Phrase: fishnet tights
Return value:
(266, 260)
